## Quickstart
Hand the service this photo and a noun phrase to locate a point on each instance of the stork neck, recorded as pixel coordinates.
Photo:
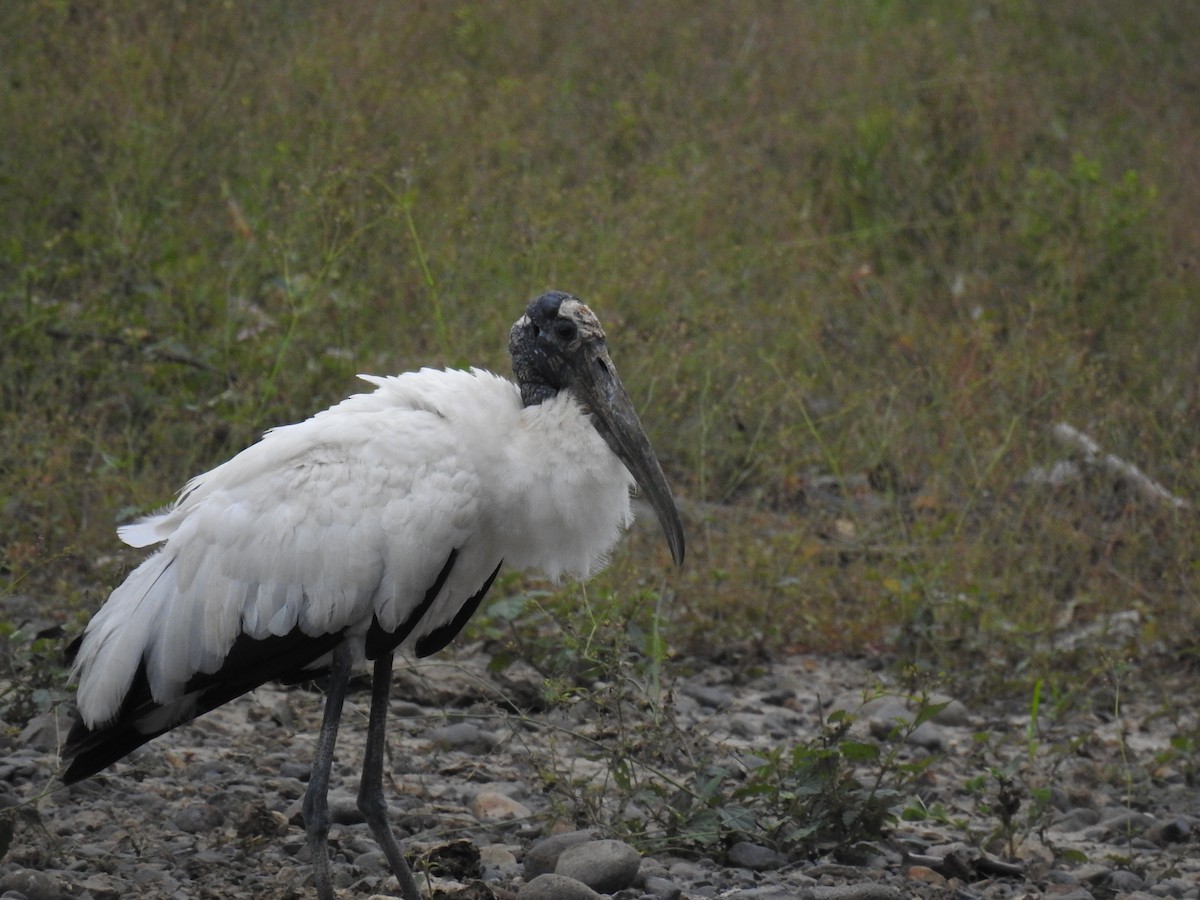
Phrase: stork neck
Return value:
(535, 392)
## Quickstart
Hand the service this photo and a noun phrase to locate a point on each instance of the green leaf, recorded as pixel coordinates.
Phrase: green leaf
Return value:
(859, 751)
(927, 711)
(501, 660)
(509, 608)
(913, 813)
(737, 818)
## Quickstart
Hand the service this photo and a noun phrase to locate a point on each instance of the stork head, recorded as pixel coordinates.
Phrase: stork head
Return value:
(558, 345)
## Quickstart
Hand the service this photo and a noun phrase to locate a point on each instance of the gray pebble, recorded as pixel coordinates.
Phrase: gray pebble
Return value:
(607, 866)
(1174, 887)
(717, 698)
(343, 808)
(1122, 881)
(498, 863)
(651, 868)
(864, 891)
(659, 887)
(689, 871)
(556, 887)
(955, 714)
(1174, 831)
(1077, 819)
(746, 725)
(465, 736)
(32, 885)
(1127, 821)
(372, 862)
(543, 856)
(1093, 873)
(889, 714)
(294, 769)
(198, 817)
(1060, 876)
(746, 855)
(44, 732)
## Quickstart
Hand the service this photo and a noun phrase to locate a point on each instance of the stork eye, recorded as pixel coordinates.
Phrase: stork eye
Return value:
(565, 330)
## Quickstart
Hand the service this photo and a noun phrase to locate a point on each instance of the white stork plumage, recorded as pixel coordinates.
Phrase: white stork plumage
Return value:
(374, 526)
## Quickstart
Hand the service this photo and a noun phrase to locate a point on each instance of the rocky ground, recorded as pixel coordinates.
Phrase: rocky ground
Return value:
(1098, 804)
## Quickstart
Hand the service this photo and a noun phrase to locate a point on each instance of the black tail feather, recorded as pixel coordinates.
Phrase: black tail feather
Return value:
(249, 664)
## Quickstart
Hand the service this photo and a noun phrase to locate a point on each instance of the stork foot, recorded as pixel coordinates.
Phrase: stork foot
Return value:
(374, 810)
(316, 797)
(371, 802)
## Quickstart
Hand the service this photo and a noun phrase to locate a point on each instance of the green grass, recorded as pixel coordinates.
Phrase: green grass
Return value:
(825, 239)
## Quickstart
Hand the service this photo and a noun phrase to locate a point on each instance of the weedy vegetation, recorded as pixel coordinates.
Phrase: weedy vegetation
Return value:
(856, 261)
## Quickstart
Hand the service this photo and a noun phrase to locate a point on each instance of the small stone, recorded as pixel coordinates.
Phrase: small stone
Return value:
(1173, 831)
(863, 891)
(198, 817)
(491, 806)
(293, 769)
(32, 885)
(372, 862)
(606, 866)
(688, 871)
(954, 714)
(1093, 873)
(1076, 819)
(1174, 887)
(746, 855)
(1127, 821)
(746, 725)
(1060, 876)
(716, 698)
(498, 862)
(464, 736)
(888, 715)
(661, 888)
(650, 867)
(100, 885)
(1122, 881)
(556, 887)
(888, 710)
(1068, 892)
(343, 808)
(45, 731)
(543, 856)
(926, 875)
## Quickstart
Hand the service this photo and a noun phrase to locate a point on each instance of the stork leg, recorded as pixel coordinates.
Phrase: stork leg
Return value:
(316, 798)
(370, 790)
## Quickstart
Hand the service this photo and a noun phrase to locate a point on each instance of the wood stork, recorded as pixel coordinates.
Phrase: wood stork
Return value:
(376, 525)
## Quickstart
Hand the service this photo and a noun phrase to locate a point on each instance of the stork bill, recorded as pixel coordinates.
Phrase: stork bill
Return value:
(376, 526)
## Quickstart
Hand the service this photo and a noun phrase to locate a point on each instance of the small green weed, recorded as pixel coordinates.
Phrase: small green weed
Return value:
(661, 784)
(32, 676)
(1000, 793)
(826, 794)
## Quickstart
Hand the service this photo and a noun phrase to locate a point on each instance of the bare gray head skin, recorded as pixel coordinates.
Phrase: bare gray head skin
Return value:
(558, 345)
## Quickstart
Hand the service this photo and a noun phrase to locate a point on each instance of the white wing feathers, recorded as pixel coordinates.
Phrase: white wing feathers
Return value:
(326, 526)
(321, 525)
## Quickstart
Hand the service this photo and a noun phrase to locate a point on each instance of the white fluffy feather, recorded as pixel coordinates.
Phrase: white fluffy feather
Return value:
(351, 515)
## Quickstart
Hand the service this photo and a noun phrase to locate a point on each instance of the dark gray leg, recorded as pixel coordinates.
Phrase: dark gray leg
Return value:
(316, 798)
(370, 790)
